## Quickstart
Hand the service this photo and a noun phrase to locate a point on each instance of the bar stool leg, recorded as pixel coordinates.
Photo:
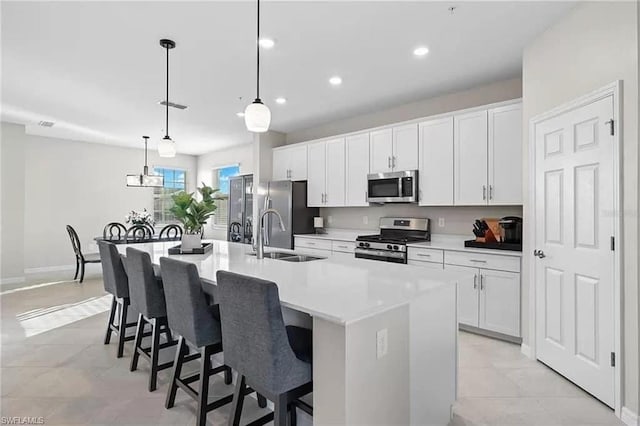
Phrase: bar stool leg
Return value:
(203, 393)
(122, 327)
(137, 343)
(112, 316)
(177, 369)
(293, 419)
(280, 411)
(238, 401)
(155, 350)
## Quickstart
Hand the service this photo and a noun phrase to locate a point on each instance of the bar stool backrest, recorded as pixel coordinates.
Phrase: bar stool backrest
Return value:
(145, 290)
(114, 275)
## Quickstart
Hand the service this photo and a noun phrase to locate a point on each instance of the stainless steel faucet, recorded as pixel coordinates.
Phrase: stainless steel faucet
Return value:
(260, 239)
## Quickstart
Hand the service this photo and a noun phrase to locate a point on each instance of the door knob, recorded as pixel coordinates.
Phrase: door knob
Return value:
(539, 253)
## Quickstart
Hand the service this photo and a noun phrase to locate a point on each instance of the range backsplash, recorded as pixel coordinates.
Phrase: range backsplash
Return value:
(458, 220)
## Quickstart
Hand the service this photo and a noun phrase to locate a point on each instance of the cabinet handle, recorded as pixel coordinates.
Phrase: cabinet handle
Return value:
(481, 282)
(484, 192)
(491, 192)
(389, 162)
(366, 196)
(477, 261)
(310, 243)
(393, 162)
(475, 281)
(343, 247)
(423, 255)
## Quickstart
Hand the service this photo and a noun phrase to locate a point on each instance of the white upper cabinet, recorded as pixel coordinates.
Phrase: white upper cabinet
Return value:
(435, 169)
(326, 173)
(335, 172)
(290, 162)
(316, 174)
(470, 158)
(505, 155)
(405, 148)
(381, 151)
(357, 169)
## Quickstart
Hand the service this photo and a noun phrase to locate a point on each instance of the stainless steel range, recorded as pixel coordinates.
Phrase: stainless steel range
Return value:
(391, 244)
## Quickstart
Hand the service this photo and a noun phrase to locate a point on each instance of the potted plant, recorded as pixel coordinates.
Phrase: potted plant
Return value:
(194, 214)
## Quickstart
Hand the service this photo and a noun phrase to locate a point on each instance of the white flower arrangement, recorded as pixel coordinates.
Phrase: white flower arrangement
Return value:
(140, 218)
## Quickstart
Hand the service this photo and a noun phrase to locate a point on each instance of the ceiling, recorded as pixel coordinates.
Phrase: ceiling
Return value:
(96, 68)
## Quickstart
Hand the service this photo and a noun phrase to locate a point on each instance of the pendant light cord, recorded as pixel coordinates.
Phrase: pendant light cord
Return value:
(258, 55)
(145, 150)
(167, 98)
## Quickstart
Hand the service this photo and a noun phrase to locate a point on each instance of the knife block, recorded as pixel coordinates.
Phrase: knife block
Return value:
(492, 234)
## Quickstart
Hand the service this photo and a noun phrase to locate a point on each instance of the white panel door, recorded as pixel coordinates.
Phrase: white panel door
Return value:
(405, 148)
(280, 169)
(468, 295)
(435, 170)
(380, 151)
(357, 150)
(470, 158)
(335, 173)
(316, 174)
(297, 162)
(500, 301)
(505, 155)
(574, 186)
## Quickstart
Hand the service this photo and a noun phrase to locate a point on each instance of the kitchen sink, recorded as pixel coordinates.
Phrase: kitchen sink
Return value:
(274, 254)
(300, 258)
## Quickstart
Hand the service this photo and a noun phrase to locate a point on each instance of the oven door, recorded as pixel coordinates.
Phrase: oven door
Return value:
(396, 187)
(385, 256)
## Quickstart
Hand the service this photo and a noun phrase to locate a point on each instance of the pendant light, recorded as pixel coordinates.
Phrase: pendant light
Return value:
(145, 179)
(167, 147)
(257, 116)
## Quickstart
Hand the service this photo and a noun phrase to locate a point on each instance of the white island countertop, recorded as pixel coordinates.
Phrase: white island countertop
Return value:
(340, 290)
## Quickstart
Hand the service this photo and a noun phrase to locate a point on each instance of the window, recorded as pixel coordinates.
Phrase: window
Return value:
(221, 181)
(174, 181)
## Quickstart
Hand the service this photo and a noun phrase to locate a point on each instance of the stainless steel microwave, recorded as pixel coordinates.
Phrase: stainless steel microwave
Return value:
(394, 187)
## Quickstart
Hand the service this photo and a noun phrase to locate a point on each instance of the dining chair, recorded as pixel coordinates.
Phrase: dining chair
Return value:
(138, 233)
(81, 258)
(171, 231)
(114, 231)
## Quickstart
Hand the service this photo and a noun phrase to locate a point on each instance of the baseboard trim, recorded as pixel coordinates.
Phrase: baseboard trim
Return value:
(526, 351)
(12, 280)
(629, 418)
(49, 269)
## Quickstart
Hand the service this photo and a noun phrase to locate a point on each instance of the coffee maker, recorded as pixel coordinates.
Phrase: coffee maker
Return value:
(511, 230)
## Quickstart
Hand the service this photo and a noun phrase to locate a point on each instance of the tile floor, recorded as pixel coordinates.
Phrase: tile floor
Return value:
(54, 365)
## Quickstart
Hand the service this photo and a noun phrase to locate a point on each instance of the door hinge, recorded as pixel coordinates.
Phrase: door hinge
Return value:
(613, 359)
(611, 126)
(613, 243)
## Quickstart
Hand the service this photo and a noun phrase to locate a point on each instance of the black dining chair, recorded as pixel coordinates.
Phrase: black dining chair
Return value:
(171, 231)
(81, 258)
(114, 231)
(138, 233)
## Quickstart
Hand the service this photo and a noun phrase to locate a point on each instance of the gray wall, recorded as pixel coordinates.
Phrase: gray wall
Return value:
(594, 45)
(458, 220)
(490, 93)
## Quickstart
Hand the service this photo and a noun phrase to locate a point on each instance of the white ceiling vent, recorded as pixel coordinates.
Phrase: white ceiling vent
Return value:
(46, 123)
(173, 105)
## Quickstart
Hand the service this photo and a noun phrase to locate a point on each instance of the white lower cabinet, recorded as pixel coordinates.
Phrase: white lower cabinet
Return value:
(489, 300)
(430, 265)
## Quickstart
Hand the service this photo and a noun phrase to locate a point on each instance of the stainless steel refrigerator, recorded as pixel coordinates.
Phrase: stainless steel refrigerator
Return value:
(240, 224)
(290, 199)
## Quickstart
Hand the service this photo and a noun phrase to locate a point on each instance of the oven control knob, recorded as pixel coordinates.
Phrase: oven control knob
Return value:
(389, 246)
(395, 247)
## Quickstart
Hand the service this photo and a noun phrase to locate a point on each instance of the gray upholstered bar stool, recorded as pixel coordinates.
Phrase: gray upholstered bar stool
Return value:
(145, 291)
(116, 282)
(273, 359)
(198, 325)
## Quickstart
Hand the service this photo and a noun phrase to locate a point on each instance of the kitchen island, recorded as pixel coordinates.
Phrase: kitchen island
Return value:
(384, 335)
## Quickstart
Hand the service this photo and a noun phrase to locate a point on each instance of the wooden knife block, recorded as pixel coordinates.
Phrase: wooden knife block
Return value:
(492, 234)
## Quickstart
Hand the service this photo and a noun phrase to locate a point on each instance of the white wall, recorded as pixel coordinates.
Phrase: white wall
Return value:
(595, 44)
(241, 155)
(76, 183)
(482, 95)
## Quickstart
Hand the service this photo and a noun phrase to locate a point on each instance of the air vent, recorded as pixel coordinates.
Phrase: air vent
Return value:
(46, 123)
(173, 105)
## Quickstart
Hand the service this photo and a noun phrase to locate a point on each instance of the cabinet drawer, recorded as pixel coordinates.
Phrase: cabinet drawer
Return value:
(481, 260)
(314, 243)
(343, 246)
(430, 265)
(425, 254)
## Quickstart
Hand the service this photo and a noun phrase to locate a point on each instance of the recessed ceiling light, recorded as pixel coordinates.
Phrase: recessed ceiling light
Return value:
(421, 51)
(266, 43)
(335, 80)
(281, 100)
(240, 114)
